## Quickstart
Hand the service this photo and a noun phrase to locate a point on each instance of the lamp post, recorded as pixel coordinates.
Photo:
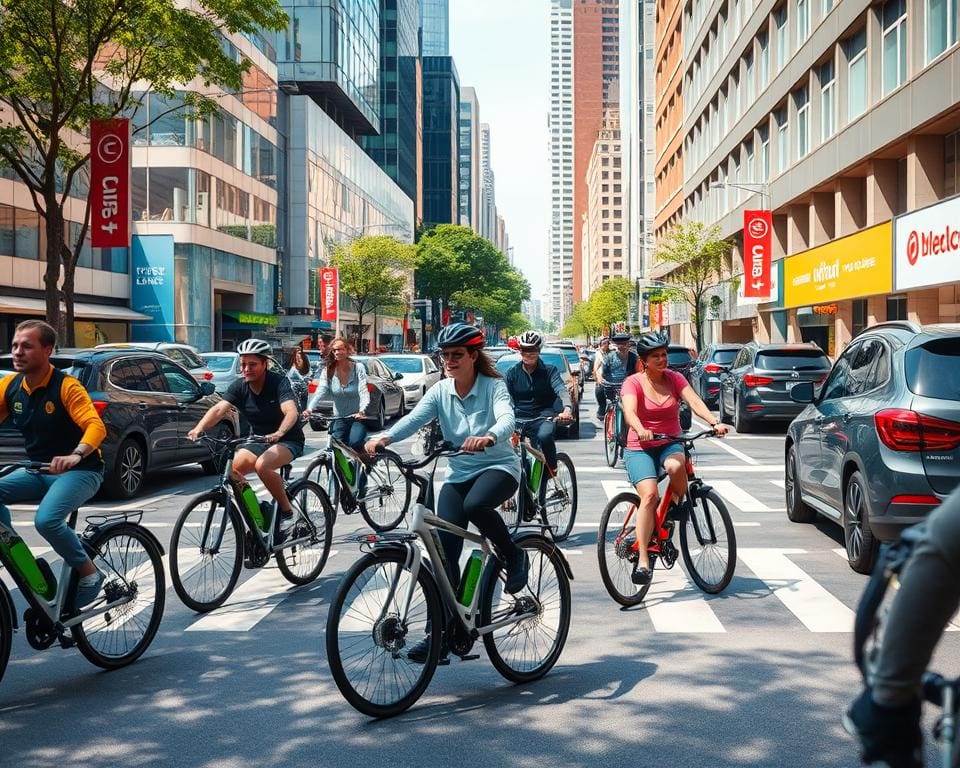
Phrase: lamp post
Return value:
(761, 188)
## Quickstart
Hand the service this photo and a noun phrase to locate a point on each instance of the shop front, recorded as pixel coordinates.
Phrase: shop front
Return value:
(93, 323)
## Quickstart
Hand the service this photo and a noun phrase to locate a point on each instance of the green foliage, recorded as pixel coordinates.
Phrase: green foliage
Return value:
(608, 304)
(515, 324)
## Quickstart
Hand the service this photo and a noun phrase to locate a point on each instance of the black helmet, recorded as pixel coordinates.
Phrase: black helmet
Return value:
(651, 341)
(460, 335)
(619, 337)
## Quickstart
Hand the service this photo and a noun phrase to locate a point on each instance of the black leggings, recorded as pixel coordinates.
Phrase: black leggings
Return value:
(476, 501)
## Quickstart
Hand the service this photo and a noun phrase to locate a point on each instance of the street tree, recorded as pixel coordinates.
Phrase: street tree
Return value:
(374, 272)
(66, 63)
(695, 255)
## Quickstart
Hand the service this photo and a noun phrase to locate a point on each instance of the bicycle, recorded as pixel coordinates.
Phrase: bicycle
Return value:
(392, 598)
(355, 483)
(117, 627)
(612, 424)
(227, 526)
(550, 497)
(868, 630)
(707, 539)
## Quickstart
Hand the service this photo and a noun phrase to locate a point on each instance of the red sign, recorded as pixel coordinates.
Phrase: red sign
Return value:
(110, 183)
(445, 317)
(329, 294)
(757, 247)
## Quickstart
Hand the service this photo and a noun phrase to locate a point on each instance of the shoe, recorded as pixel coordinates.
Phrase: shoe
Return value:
(641, 576)
(86, 594)
(890, 734)
(517, 568)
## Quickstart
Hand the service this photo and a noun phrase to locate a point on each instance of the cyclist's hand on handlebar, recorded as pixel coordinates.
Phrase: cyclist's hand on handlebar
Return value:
(371, 445)
(60, 464)
(720, 430)
(474, 444)
(360, 416)
(644, 435)
(565, 416)
(193, 434)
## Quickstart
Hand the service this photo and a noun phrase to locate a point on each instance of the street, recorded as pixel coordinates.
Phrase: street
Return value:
(756, 676)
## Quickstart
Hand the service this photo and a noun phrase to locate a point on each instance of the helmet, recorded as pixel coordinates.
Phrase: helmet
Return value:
(255, 347)
(513, 343)
(619, 337)
(651, 341)
(530, 339)
(460, 335)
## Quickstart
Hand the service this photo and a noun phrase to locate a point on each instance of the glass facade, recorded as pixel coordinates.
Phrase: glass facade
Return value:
(441, 141)
(435, 21)
(468, 173)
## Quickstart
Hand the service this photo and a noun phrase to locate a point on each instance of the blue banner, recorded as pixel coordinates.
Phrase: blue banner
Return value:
(151, 292)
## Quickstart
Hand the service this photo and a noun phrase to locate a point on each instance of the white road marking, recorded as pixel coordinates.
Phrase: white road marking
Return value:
(675, 605)
(729, 449)
(817, 609)
(779, 483)
(613, 487)
(248, 605)
(738, 497)
(709, 469)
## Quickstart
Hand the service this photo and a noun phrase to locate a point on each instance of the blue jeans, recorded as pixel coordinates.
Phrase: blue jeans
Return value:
(60, 495)
(545, 441)
(352, 433)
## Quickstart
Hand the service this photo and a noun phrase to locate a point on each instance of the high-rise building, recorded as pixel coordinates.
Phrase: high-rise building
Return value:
(596, 74)
(435, 22)
(668, 60)
(605, 249)
(441, 141)
(560, 267)
(471, 184)
(488, 194)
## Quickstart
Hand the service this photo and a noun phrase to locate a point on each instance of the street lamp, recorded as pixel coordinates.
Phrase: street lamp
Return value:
(761, 188)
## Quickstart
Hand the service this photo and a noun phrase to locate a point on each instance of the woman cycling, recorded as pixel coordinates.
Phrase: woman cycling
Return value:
(299, 375)
(651, 404)
(345, 382)
(476, 413)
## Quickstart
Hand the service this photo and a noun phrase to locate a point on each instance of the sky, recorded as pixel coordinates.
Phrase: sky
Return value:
(501, 48)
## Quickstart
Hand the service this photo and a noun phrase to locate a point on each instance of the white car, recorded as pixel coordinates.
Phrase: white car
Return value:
(419, 374)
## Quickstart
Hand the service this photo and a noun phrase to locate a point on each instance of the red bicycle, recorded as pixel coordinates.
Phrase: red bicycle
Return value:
(707, 540)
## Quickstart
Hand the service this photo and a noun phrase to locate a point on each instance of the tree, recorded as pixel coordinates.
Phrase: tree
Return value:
(63, 64)
(696, 254)
(610, 302)
(373, 272)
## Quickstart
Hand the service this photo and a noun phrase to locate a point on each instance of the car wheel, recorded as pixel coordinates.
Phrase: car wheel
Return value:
(797, 511)
(740, 422)
(403, 405)
(724, 419)
(858, 537)
(381, 419)
(126, 478)
(222, 432)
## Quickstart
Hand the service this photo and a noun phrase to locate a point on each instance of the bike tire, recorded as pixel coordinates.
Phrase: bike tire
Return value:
(868, 620)
(132, 562)
(302, 563)
(562, 486)
(511, 510)
(375, 649)
(6, 628)
(614, 551)
(388, 510)
(192, 569)
(549, 585)
(609, 439)
(320, 472)
(717, 544)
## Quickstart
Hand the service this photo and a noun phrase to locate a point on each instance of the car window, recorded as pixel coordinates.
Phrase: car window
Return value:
(678, 357)
(126, 374)
(792, 360)
(178, 381)
(860, 377)
(405, 364)
(933, 369)
(151, 374)
(175, 354)
(836, 384)
(724, 356)
(431, 368)
(219, 363)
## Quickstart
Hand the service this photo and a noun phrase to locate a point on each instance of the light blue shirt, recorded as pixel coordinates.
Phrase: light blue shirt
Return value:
(486, 409)
(348, 399)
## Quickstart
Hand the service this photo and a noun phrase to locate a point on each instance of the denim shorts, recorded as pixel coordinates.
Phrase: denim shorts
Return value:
(646, 464)
(258, 449)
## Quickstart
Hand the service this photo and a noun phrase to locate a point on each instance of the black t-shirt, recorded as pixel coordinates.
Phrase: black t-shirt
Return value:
(263, 410)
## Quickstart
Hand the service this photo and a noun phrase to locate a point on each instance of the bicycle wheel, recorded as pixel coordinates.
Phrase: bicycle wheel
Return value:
(870, 620)
(320, 472)
(560, 498)
(6, 629)
(312, 531)
(617, 552)
(132, 563)
(610, 438)
(368, 638)
(528, 649)
(511, 510)
(387, 493)
(206, 552)
(708, 543)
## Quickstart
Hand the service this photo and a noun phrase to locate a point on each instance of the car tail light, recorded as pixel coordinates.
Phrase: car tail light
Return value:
(751, 380)
(756, 407)
(904, 430)
(101, 406)
(208, 376)
(312, 387)
(915, 499)
(371, 388)
(712, 368)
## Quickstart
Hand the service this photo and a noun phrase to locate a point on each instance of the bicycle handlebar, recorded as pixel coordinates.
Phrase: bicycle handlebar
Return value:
(30, 466)
(686, 437)
(444, 449)
(223, 443)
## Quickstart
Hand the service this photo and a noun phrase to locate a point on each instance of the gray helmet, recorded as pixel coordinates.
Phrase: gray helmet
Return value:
(651, 341)
(460, 335)
(254, 347)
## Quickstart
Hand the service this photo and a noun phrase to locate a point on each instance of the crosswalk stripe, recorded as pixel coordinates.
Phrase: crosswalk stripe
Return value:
(779, 483)
(250, 603)
(613, 487)
(738, 497)
(675, 605)
(817, 609)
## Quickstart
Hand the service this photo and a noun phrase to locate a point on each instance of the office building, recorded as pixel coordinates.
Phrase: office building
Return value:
(471, 182)
(560, 126)
(435, 23)
(605, 250)
(441, 141)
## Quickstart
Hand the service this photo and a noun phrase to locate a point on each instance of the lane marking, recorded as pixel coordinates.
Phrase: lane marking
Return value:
(782, 484)
(735, 495)
(675, 605)
(728, 448)
(250, 603)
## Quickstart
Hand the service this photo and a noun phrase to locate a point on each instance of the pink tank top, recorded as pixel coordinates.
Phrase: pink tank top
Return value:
(663, 418)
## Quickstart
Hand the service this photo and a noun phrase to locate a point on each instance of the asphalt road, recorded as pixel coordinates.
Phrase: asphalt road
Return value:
(756, 676)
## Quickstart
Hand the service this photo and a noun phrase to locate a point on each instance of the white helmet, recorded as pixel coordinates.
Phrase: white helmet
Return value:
(254, 347)
(530, 339)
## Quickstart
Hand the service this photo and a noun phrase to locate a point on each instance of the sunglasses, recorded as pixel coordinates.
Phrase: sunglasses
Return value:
(451, 355)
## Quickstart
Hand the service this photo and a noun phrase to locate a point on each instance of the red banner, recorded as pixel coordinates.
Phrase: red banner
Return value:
(445, 316)
(329, 294)
(110, 183)
(757, 256)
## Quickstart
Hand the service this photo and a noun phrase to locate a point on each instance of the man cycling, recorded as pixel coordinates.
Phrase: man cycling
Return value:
(61, 428)
(536, 387)
(603, 349)
(616, 366)
(886, 717)
(267, 401)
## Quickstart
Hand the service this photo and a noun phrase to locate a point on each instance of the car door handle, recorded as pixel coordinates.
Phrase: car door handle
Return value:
(142, 405)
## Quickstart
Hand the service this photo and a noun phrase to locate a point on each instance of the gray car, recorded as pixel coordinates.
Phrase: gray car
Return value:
(759, 381)
(225, 367)
(712, 363)
(878, 446)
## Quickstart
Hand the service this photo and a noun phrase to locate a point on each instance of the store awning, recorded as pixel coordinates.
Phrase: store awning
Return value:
(81, 310)
(241, 317)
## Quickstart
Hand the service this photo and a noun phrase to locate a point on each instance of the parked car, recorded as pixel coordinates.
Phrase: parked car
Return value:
(878, 446)
(225, 367)
(496, 352)
(184, 354)
(557, 358)
(577, 366)
(419, 374)
(386, 393)
(705, 372)
(680, 359)
(148, 404)
(760, 378)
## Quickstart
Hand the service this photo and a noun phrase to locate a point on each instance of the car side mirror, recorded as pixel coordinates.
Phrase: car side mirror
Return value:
(397, 375)
(802, 392)
(206, 388)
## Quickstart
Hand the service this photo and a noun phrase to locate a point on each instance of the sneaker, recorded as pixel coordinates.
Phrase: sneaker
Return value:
(641, 576)
(517, 567)
(87, 593)
(890, 734)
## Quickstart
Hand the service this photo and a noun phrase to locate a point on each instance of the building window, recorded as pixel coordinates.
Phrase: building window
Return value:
(783, 140)
(897, 307)
(747, 82)
(859, 316)
(764, 135)
(894, 44)
(857, 85)
(802, 100)
(763, 42)
(783, 38)
(828, 90)
(827, 6)
(941, 19)
(803, 21)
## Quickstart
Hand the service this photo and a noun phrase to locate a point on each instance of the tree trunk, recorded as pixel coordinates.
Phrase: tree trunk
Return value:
(51, 278)
(69, 280)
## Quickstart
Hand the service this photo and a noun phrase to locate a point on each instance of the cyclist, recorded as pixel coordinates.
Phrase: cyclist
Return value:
(60, 427)
(267, 401)
(615, 366)
(651, 404)
(345, 381)
(536, 388)
(603, 349)
(886, 717)
(299, 373)
(476, 413)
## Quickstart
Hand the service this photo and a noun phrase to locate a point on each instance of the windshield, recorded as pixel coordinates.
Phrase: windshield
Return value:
(792, 360)
(573, 357)
(404, 364)
(219, 362)
(933, 370)
(679, 357)
(725, 356)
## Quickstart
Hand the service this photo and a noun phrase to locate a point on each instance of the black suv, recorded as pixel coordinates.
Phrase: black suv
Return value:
(878, 446)
(680, 359)
(705, 374)
(148, 404)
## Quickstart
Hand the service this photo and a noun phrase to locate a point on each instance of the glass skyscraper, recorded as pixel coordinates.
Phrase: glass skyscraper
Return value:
(441, 141)
(435, 22)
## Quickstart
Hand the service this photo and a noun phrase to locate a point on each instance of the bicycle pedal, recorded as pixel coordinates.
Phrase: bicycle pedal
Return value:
(67, 641)
(444, 661)
(470, 657)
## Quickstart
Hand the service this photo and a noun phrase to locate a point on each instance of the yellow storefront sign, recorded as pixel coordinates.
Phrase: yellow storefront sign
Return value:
(848, 268)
